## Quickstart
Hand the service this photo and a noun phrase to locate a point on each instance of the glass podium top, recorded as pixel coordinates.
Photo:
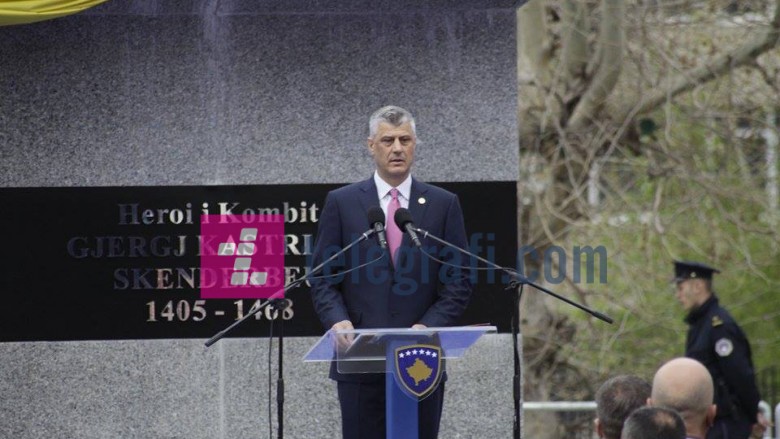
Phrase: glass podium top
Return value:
(365, 350)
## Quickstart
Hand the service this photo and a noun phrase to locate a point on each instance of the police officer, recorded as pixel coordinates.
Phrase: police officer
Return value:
(715, 340)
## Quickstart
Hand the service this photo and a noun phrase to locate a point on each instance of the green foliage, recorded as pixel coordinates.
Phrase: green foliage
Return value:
(698, 207)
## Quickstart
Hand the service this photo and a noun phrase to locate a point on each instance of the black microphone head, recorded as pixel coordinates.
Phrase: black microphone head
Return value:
(402, 218)
(375, 215)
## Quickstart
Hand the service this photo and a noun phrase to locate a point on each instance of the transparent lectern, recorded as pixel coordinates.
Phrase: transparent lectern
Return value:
(411, 358)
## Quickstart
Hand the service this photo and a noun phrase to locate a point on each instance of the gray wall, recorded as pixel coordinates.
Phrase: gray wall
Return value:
(242, 92)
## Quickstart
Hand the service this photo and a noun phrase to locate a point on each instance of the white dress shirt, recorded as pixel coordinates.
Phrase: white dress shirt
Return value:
(383, 192)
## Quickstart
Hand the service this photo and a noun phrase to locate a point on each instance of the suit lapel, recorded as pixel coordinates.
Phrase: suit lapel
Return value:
(368, 197)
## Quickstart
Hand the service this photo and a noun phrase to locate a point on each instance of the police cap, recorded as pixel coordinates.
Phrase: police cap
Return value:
(684, 270)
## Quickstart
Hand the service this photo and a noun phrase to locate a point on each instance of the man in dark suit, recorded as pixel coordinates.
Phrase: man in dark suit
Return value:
(404, 288)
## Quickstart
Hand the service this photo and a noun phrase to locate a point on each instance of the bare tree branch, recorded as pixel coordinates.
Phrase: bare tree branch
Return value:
(534, 55)
(574, 44)
(611, 48)
(719, 66)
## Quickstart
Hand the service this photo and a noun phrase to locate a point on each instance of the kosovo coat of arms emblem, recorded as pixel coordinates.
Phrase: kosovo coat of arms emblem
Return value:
(418, 369)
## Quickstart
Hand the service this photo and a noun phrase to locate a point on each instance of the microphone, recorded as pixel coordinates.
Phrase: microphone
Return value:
(403, 219)
(376, 219)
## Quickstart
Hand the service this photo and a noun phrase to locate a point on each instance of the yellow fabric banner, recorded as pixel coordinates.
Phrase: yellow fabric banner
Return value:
(30, 11)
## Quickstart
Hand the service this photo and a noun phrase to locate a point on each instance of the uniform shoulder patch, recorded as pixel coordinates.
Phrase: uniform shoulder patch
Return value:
(724, 347)
(716, 321)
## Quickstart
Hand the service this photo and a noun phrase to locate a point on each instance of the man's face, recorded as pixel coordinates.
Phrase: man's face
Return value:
(393, 151)
(688, 294)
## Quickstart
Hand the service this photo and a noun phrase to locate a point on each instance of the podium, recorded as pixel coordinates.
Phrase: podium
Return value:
(412, 359)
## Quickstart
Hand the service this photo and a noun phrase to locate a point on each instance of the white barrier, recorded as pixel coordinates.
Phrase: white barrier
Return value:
(560, 406)
(777, 424)
(766, 409)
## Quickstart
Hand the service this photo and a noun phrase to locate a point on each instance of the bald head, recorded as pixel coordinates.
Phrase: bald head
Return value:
(684, 385)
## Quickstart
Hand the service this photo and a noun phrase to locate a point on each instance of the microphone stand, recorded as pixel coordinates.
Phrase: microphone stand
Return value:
(518, 281)
(279, 305)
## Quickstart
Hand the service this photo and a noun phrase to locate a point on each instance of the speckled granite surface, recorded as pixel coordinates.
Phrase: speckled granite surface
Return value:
(180, 389)
(236, 94)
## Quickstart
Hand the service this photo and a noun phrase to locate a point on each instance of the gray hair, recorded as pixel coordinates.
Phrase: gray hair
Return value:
(616, 399)
(395, 116)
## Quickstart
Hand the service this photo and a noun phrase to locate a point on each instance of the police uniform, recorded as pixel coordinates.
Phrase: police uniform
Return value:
(715, 340)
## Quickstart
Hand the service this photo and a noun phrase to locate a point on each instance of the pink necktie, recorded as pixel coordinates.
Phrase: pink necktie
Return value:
(393, 232)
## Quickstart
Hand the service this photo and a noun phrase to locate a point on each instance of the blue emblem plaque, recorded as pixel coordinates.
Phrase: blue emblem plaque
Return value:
(418, 369)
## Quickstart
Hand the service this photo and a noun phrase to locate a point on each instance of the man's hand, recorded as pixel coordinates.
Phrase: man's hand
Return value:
(344, 325)
(418, 326)
(762, 423)
(343, 341)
